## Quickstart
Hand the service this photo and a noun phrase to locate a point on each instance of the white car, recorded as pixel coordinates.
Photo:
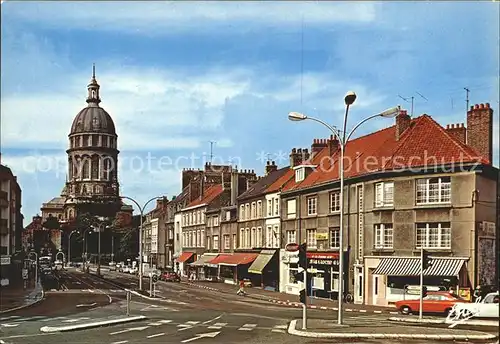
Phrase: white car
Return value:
(485, 308)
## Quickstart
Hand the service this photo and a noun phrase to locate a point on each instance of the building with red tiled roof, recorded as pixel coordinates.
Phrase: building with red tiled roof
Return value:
(415, 184)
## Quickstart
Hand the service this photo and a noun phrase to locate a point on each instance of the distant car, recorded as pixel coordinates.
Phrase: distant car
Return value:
(170, 276)
(125, 269)
(112, 266)
(487, 307)
(133, 270)
(435, 302)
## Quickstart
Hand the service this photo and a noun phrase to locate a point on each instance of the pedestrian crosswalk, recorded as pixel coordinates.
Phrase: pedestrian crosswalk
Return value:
(16, 320)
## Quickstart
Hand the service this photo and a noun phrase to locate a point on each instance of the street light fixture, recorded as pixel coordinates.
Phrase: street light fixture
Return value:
(85, 246)
(349, 99)
(100, 227)
(141, 209)
(69, 244)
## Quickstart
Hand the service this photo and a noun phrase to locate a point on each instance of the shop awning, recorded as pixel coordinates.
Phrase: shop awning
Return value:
(262, 260)
(204, 260)
(185, 256)
(234, 259)
(410, 266)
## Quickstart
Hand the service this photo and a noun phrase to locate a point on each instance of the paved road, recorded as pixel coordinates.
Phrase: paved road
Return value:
(186, 314)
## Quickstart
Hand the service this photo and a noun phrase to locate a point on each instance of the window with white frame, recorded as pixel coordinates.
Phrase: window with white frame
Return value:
(198, 242)
(435, 235)
(433, 190)
(383, 235)
(300, 174)
(270, 207)
(247, 238)
(276, 236)
(269, 236)
(384, 194)
(276, 206)
(208, 242)
(216, 242)
(258, 239)
(291, 210)
(203, 216)
(259, 209)
(253, 238)
(242, 212)
(242, 237)
(335, 238)
(311, 238)
(312, 205)
(216, 221)
(291, 237)
(184, 241)
(254, 210)
(227, 242)
(202, 238)
(334, 201)
(228, 215)
(209, 222)
(235, 240)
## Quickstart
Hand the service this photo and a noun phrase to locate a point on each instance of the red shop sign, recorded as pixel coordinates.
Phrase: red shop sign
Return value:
(323, 255)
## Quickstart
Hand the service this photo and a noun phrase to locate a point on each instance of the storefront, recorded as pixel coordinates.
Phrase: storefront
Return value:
(234, 267)
(390, 279)
(264, 271)
(184, 260)
(324, 268)
(204, 270)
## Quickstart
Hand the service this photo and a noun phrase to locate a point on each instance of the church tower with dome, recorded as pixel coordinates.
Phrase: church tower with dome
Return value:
(92, 179)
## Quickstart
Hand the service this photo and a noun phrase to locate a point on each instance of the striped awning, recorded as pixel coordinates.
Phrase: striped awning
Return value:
(204, 260)
(410, 266)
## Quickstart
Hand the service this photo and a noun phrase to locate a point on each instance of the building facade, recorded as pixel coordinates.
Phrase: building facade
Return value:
(11, 226)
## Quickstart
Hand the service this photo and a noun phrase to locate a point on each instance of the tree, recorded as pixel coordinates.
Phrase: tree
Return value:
(52, 223)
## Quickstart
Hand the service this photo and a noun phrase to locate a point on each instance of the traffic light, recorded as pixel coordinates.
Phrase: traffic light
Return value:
(424, 291)
(302, 296)
(303, 256)
(155, 278)
(426, 260)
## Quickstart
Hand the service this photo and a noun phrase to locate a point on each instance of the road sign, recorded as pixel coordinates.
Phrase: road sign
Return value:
(292, 247)
(155, 278)
(25, 274)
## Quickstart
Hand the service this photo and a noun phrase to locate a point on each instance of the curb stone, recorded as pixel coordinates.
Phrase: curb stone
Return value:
(50, 329)
(470, 322)
(297, 304)
(437, 337)
(38, 300)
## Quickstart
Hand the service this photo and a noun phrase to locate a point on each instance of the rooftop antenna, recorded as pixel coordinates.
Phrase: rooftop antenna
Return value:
(467, 91)
(412, 100)
(212, 150)
(301, 56)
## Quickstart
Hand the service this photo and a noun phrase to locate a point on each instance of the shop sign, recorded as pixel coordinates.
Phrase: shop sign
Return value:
(323, 255)
(321, 236)
(5, 260)
(323, 262)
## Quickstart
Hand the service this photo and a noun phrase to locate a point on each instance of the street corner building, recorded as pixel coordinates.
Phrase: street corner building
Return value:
(11, 226)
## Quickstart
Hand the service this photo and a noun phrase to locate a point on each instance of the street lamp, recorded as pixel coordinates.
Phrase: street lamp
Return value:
(69, 245)
(141, 209)
(349, 99)
(85, 246)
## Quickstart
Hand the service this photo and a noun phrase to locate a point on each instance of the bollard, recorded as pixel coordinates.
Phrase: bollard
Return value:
(128, 302)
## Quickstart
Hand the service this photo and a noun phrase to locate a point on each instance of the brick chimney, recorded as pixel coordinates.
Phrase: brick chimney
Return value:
(271, 167)
(226, 180)
(333, 144)
(298, 156)
(480, 130)
(318, 145)
(234, 186)
(403, 121)
(457, 131)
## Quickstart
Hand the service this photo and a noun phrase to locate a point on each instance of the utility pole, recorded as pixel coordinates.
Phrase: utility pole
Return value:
(212, 150)
(467, 91)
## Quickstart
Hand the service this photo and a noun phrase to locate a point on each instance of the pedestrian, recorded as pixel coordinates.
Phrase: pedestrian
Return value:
(241, 291)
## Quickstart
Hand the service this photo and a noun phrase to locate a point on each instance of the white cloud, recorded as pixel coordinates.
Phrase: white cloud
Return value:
(166, 18)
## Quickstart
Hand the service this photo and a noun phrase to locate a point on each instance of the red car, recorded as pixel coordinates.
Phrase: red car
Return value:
(170, 276)
(435, 302)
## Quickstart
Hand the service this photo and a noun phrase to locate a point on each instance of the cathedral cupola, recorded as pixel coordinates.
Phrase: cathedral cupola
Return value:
(93, 90)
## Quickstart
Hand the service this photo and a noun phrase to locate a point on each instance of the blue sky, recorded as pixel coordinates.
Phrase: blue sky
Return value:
(175, 76)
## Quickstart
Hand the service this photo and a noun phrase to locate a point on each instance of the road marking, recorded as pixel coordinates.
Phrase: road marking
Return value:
(56, 318)
(9, 325)
(86, 305)
(78, 283)
(160, 322)
(121, 342)
(247, 327)
(281, 326)
(192, 322)
(155, 335)
(216, 318)
(217, 326)
(75, 320)
(201, 335)
(10, 317)
(129, 330)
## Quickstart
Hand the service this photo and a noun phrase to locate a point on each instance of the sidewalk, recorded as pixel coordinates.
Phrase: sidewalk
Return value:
(15, 297)
(290, 300)
(365, 329)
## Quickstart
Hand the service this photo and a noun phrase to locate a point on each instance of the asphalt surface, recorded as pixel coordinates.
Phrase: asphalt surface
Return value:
(185, 314)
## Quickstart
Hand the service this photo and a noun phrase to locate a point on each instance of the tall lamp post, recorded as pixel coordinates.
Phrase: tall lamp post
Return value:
(343, 138)
(69, 244)
(141, 209)
(85, 246)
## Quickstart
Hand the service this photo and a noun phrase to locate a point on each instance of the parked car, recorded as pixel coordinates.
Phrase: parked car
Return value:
(133, 270)
(484, 308)
(170, 276)
(434, 302)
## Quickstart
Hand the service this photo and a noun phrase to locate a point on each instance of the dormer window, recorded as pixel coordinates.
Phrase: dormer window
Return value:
(300, 174)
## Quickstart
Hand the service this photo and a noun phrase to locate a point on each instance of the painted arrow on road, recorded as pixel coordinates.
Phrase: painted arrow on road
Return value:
(10, 325)
(201, 335)
(130, 329)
